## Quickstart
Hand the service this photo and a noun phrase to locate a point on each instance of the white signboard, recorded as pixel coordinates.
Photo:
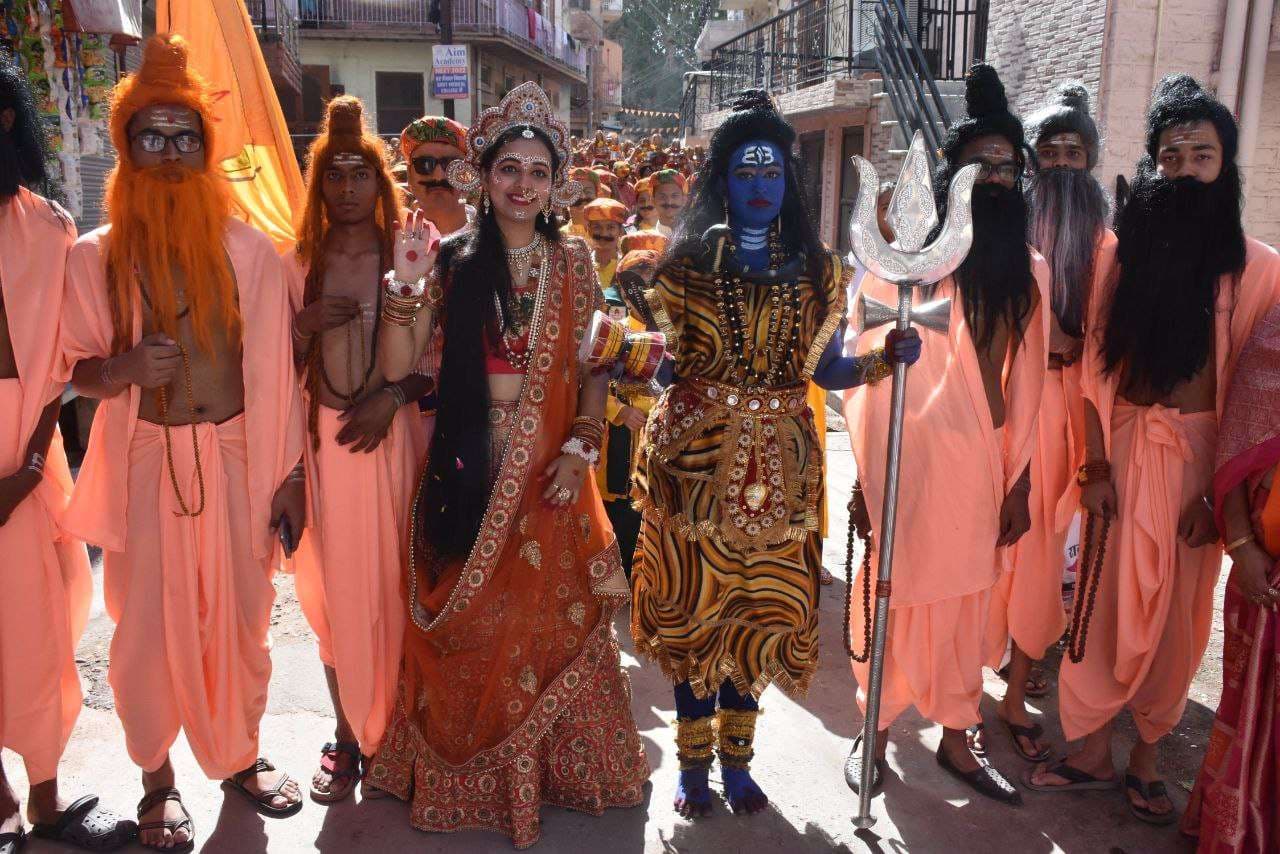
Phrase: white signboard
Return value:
(449, 71)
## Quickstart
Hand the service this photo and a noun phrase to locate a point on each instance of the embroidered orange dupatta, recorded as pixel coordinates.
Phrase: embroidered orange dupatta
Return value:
(511, 693)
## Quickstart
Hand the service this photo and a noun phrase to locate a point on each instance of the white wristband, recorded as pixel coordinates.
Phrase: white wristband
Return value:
(575, 447)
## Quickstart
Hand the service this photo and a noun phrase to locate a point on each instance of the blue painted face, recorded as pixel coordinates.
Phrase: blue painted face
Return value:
(756, 183)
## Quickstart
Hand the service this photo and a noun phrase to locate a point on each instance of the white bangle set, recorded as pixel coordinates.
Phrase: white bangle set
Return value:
(577, 448)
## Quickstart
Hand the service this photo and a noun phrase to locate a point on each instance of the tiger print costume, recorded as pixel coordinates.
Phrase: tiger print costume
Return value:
(725, 580)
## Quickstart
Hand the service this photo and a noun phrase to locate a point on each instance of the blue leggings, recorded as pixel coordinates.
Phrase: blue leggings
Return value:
(689, 707)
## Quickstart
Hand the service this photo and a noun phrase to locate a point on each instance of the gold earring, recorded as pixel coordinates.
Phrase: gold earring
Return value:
(726, 211)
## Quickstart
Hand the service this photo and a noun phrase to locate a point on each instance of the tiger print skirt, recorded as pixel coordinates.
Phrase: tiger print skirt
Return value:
(725, 581)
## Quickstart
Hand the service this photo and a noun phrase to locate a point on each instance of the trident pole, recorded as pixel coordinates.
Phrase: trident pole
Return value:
(888, 522)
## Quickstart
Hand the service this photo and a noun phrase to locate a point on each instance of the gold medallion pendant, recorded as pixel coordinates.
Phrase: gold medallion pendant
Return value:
(755, 495)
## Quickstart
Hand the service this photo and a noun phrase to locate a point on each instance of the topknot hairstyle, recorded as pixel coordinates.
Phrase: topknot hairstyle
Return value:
(1178, 99)
(753, 115)
(1067, 111)
(987, 109)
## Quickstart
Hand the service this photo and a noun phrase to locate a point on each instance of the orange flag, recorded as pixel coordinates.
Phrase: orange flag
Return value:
(256, 153)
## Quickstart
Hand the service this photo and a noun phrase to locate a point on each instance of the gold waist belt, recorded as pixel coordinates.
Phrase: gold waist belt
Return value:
(776, 400)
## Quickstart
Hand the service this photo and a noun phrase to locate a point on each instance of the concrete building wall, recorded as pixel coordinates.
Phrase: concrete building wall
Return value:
(354, 65)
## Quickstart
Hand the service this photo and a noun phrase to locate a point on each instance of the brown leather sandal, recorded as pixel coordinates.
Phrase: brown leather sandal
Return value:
(152, 799)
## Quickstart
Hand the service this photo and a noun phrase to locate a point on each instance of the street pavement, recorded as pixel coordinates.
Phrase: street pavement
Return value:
(801, 748)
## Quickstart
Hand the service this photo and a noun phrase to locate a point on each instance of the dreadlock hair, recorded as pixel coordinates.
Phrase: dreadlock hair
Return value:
(23, 148)
(754, 116)
(474, 270)
(344, 131)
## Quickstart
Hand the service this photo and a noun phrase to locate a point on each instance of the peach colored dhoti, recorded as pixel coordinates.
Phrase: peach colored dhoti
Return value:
(1027, 600)
(45, 588)
(1154, 606)
(350, 575)
(191, 602)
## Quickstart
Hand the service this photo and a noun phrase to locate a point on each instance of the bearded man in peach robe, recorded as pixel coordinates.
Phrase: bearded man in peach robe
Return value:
(1069, 213)
(45, 581)
(366, 440)
(970, 423)
(177, 317)
(1164, 337)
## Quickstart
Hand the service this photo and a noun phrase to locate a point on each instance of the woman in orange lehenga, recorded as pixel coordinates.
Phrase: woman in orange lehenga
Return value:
(512, 695)
(1233, 806)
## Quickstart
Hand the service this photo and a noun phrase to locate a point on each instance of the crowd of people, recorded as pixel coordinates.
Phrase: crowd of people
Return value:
(398, 408)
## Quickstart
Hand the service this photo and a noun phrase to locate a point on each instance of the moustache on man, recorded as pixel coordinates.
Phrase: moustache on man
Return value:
(429, 185)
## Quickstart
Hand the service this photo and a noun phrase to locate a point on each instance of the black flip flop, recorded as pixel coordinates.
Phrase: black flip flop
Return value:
(149, 801)
(85, 826)
(1147, 791)
(1033, 733)
(12, 843)
(262, 801)
(853, 770)
(1077, 780)
(985, 780)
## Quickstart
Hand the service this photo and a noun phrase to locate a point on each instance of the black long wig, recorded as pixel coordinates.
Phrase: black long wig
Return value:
(23, 150)
(754, 117)
(455, 494)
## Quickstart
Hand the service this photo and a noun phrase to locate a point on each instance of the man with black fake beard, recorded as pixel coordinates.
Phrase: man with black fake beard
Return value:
(1069, 212)
(1164, 335)
(968, 432)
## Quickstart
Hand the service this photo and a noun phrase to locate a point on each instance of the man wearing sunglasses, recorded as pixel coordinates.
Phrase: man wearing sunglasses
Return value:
(429, 145)
(988, 346)
(176, 316)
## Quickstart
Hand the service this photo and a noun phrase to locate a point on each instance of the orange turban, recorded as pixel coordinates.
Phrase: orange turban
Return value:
(605, 210)
(644, 187)
(432, 129)
(669, 176)
(638, 258)
(643, 241)
(163, 78)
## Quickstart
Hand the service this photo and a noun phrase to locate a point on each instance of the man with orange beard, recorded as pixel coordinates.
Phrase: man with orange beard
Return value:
(46, 579)
(366, 445)
(429, 145)
(177, 317)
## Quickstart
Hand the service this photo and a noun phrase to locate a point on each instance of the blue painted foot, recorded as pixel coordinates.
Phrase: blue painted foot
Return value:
(743, 794)
(693, 795)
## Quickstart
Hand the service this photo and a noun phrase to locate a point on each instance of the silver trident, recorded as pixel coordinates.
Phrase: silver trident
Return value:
(907, 263)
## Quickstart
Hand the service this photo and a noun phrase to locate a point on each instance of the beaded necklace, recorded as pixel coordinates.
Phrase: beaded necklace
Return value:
(525, 303)
(784, 328)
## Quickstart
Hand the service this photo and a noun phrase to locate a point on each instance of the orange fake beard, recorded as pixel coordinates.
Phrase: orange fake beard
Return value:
(168, 221)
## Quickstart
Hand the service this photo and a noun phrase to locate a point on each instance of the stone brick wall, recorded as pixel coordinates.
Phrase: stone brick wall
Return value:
(1036, 43)
(1119, 50)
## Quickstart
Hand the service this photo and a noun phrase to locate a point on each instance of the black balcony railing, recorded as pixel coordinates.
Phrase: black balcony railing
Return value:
(809, 43)
(817, 40)
(508, 19)
(274, 22)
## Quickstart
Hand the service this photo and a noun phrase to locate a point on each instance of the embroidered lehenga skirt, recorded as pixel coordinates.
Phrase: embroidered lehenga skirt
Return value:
(512, 694)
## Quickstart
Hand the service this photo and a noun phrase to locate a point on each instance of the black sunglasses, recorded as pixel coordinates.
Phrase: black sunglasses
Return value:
(427, 164)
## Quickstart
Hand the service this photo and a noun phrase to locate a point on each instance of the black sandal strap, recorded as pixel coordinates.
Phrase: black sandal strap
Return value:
(1033, 732)
(158, 796)
(1072, 774)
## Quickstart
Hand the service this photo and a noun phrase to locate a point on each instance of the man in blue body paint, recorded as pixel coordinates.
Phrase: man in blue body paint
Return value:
(726, 576)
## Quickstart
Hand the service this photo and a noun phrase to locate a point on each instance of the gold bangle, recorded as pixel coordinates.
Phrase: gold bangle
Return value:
(1237, 543)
